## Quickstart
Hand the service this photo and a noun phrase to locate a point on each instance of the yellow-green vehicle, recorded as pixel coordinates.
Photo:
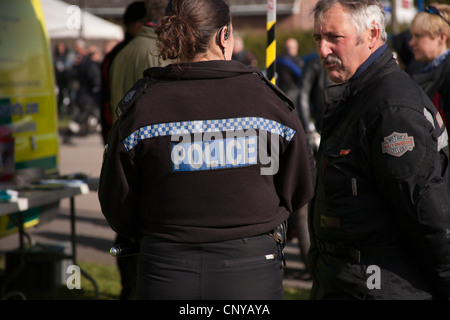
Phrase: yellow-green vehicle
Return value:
(28, 110)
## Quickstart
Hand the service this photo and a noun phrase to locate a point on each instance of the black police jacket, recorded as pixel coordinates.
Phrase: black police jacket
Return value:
(382, 201)
(190, 158)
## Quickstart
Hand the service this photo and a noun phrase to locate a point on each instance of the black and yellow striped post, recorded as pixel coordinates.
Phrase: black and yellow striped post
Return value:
(271, 48)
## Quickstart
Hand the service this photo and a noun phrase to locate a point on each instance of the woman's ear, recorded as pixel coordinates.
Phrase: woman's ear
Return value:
(223, 35)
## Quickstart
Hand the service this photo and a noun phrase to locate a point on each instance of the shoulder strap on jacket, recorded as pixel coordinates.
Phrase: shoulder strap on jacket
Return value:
(131, 96)
(288, 102)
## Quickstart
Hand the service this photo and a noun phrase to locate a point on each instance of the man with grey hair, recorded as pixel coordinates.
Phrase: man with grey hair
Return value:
(380, 218)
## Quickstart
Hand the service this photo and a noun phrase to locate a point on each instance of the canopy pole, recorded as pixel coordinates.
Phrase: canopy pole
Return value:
(271, 41)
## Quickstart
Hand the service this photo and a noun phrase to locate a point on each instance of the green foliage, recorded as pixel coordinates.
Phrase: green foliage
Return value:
(296, 294)
(107, 278)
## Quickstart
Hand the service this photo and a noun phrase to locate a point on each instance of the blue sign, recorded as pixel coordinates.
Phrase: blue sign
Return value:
(214, 154)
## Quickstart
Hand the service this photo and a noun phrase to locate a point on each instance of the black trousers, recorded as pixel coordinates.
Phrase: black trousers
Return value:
(244, 269)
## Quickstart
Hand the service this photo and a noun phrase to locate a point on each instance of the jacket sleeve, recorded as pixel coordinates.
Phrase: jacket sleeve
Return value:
(411, 162)
(118, 186)
(294, 178)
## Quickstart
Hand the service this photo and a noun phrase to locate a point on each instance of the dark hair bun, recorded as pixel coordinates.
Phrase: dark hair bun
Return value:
(188, 27)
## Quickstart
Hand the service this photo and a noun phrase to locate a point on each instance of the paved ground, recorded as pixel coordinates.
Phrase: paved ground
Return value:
(94, 237)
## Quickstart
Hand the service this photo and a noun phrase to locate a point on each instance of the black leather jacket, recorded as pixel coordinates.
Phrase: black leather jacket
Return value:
(311, 102)
(381, 196)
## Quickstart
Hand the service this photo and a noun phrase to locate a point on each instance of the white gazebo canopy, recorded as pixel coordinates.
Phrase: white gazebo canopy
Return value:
(66, 21)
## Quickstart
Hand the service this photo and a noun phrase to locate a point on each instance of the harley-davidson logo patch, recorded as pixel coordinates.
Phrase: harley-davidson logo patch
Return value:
(397, 144)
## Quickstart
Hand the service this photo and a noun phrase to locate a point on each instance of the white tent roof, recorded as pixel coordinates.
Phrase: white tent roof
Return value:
(65, 21)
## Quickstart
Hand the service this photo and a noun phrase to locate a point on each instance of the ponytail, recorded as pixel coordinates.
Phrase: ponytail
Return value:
(188, 26)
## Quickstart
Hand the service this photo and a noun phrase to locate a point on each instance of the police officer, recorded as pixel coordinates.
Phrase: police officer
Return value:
(204, 165)
(380, 218)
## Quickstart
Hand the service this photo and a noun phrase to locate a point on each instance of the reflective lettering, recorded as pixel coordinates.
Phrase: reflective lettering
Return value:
(214, 154)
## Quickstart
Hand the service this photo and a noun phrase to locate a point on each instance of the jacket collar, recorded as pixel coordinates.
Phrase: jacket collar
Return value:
(213, 69)
(370, 60)
(374, 69)
(147, 31)
(436, 61)
(432, 81)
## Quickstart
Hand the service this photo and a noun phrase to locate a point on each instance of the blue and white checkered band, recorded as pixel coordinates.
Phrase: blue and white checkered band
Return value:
(203, 126)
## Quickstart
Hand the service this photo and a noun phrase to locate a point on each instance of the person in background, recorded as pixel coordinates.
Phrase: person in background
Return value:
(63, 59)
(430, 42)
(311, 99)
(239, 52)
(404, 54)
(140, 53)
(133, 20)
(380, 217)
(126, 68)
(289, 70)
(289, 74)
(187, 173)
(86, 75)
(310, 109)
